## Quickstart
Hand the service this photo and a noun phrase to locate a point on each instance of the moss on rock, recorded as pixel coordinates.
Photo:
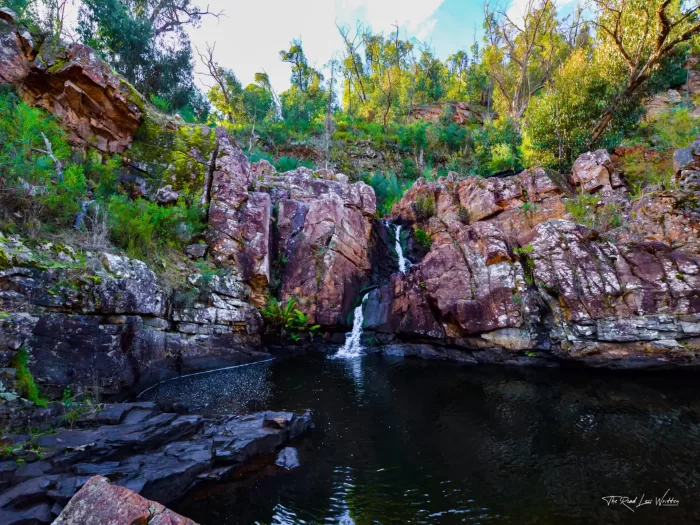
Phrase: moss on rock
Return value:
(172, 152)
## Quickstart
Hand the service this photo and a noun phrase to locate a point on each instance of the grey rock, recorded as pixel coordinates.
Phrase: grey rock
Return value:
(288, 458)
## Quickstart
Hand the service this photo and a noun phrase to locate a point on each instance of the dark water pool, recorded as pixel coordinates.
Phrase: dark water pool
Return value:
(406, 441)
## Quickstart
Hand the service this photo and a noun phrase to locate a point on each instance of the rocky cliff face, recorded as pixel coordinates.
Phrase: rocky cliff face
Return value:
(507, 274)
(106, 322)
(97, 106)
(510, 277)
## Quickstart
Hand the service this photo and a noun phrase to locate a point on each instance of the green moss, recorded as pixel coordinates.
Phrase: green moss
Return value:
(25, 382)
(5, 261)
(173, 153)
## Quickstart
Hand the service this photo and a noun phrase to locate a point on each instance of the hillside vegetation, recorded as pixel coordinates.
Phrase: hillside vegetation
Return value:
(537, 92)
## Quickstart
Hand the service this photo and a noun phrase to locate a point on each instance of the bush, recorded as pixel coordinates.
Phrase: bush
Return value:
(424, 207)
(25, 382)
(140, 227)
(422, 238)
(641, 172)
(287, 317)
(388, 188)
(63, 199)
(585, 210)
(496, 147)
(22, 143)
(672, 129)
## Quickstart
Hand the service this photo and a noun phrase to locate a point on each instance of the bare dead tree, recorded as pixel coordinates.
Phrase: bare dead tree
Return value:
(168, 16)
(49, 153)
(352, 45)
(216, 73)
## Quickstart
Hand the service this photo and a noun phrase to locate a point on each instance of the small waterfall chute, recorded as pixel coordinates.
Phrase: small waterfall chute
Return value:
(353, 347)
(403, 262)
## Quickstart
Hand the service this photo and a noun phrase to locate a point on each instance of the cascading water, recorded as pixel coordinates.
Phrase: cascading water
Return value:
(403, 263)
(352, 346)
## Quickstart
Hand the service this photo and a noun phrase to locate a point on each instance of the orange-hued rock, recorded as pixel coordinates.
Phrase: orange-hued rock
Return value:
(101, 503)
(97, 106)
(462, 113)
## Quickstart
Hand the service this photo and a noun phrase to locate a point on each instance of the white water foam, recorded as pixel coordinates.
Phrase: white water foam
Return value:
(352, 347)
(403, 263)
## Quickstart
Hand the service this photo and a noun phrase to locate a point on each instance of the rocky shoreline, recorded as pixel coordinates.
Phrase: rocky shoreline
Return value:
(155, 454)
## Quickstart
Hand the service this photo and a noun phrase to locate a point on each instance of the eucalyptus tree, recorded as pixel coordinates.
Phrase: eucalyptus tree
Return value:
(635, 38)
(146, 41)
(522, 53)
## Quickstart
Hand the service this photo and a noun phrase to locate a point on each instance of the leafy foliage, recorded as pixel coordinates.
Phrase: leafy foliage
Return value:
(287, 317)
(146, 41)
(388, 189)
(422, 238)
(424, 207)
(25, 382)
(141, 226)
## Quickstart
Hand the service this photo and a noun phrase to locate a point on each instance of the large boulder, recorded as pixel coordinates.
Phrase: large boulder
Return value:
(321, 237)
(591, 171)
(239, 219)
(99, 502)
(686, 164)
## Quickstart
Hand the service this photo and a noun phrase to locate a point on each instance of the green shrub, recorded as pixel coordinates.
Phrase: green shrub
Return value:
(422, 238)
(585, 210)
(287, 317)
(161, 104)
(641, 172)
(672, 129)
(424, 207)
(25, 382)
(388, 189)
(140, 227)
(62, 200)
(22, 145)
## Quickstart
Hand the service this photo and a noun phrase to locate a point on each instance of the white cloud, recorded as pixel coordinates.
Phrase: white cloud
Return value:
(251, 35)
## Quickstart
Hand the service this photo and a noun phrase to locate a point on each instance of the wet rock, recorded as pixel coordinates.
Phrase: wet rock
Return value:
(288, 458)
(157, 455)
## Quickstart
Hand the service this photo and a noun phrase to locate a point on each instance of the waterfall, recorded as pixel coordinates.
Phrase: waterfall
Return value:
(403, 263)
(352, 346)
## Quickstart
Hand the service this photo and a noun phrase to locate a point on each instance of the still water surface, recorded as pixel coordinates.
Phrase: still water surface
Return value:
(407, 441)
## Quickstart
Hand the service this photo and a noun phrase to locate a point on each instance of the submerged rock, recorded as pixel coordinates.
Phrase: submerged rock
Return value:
(288, 458)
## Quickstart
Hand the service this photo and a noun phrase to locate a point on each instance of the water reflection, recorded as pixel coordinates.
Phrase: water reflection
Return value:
(233, 390)
(438, 443)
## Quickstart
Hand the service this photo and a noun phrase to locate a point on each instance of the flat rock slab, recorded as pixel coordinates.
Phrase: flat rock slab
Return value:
(137, 446)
